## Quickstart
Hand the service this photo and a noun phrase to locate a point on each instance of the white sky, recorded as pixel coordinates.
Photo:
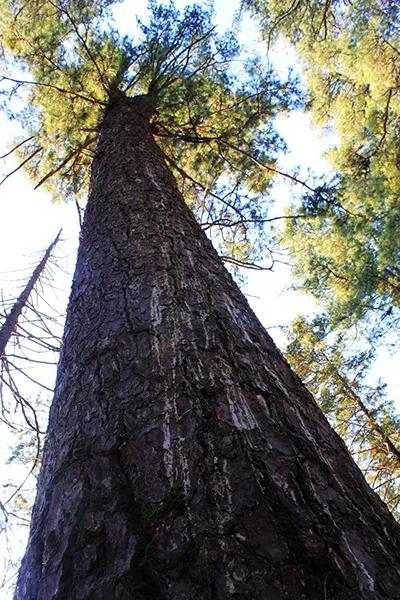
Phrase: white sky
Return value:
(30, 220)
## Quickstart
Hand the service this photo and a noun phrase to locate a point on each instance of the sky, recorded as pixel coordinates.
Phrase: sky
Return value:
(30, 220)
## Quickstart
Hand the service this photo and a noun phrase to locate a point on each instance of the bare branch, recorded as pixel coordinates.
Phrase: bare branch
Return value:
(54, 87)
(245, 264)
(16, 147)
(21, 164)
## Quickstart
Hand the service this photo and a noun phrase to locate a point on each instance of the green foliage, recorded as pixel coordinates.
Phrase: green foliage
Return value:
(360, 413)
(347, 251)
(212, 118)
(349, 260)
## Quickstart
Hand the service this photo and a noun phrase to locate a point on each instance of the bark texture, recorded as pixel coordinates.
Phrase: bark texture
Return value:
(185, 460)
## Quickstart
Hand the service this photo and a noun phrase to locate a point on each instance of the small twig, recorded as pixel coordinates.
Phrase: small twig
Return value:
(242, 263)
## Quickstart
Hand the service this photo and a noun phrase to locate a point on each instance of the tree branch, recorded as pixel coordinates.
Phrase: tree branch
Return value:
(54, 87)
(21, 165)
(245, 264)
(17, 146)
(64, 162)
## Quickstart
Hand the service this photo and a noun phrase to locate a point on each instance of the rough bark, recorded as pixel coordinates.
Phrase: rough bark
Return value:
(11, 321)
(185, 460)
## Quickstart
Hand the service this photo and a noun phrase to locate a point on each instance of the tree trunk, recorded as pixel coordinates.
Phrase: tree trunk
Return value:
(11, 321)
(185, 460)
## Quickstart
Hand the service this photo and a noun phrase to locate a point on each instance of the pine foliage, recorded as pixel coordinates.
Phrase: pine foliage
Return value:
(64, 63)
(347, 249)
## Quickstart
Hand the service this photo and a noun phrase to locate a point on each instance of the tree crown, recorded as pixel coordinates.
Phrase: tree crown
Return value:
(213, 107)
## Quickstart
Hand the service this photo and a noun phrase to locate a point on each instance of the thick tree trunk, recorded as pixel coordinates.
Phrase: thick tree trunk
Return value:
(185, 461)
(11, 321)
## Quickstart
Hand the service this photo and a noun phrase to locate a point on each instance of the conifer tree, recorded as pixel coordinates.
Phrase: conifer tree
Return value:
(183, 459)
(346, 251)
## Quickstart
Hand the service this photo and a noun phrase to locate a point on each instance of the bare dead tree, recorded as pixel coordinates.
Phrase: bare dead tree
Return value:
(11, 321)
(29, 343)
(27, 331)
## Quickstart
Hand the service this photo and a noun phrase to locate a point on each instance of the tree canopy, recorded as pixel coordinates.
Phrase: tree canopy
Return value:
(347, 250)
(64, 63)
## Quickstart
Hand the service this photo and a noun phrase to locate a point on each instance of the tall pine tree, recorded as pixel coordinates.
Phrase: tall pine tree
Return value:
(184, 459)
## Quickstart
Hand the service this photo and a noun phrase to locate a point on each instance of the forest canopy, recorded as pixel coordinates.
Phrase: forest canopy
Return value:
(347, 250)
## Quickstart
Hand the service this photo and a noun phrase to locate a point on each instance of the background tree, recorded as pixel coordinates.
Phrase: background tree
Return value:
(29, 342)
(345, 249)
(26, 332)
(184, 459)
(360, 413)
